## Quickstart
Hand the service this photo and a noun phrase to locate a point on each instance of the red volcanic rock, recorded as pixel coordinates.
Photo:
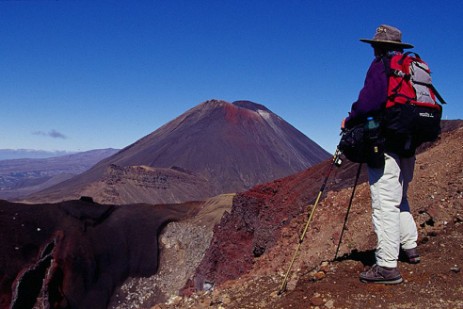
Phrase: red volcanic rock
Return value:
(231, 146)
(268, 219)
(255, 222)
(75, 253)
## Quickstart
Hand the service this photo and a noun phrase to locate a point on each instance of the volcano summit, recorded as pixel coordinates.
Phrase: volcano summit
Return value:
(216, 147)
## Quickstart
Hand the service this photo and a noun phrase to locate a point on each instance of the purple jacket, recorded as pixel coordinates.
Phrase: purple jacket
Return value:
(373, 95)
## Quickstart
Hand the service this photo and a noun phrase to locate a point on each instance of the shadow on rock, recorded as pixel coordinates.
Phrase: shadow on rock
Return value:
(74, 254)
(367, 258)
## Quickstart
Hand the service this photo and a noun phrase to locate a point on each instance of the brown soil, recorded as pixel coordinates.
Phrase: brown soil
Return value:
(270, 218)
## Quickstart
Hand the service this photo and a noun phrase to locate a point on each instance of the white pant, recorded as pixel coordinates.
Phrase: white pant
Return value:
(392, 221)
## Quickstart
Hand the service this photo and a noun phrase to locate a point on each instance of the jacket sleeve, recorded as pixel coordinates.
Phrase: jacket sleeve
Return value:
(372, 97)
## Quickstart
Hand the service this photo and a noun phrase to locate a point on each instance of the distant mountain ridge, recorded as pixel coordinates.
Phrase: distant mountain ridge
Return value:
(221, 147)
(11, 154)
(20, 177)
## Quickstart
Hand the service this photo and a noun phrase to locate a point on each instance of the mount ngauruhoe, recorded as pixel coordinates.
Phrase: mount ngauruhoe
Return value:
(216, 147)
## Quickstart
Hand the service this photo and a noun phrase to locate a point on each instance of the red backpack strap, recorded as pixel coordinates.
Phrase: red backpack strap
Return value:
(405, 55)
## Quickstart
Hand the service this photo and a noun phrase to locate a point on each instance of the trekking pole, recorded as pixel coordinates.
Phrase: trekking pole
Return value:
(348, 210)
(335, 162)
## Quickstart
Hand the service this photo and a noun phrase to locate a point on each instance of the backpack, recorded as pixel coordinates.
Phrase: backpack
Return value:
(363, 143)
(412, 114)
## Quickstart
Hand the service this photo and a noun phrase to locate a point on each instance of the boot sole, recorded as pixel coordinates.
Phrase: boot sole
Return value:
(392, 281)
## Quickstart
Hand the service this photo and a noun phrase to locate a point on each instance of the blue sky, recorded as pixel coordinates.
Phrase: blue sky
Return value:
(80, 75)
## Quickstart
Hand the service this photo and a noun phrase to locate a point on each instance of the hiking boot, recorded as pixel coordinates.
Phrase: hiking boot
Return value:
(413, 256)
(379, 274)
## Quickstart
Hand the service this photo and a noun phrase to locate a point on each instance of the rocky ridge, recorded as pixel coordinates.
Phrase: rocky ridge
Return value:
(254, 243)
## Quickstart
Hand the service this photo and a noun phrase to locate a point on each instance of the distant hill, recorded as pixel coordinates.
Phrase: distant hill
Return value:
(10, 154)
(20, 177)
(216, 147)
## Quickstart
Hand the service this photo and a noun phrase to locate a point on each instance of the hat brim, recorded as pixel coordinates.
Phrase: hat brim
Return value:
(394, 43)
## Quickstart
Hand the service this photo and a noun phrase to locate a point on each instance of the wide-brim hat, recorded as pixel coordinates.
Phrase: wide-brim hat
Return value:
(387, 35)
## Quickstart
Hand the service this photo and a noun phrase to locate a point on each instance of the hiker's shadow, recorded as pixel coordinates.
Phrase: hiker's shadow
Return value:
(366, 257)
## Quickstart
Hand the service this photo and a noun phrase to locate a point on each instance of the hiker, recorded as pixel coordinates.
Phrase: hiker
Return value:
(393, 224)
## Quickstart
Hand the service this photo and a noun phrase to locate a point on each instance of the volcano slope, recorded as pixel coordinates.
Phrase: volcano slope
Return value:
(254, 243)
(216, 147)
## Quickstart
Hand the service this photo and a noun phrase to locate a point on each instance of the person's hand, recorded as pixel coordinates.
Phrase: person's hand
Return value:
(343, 124)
